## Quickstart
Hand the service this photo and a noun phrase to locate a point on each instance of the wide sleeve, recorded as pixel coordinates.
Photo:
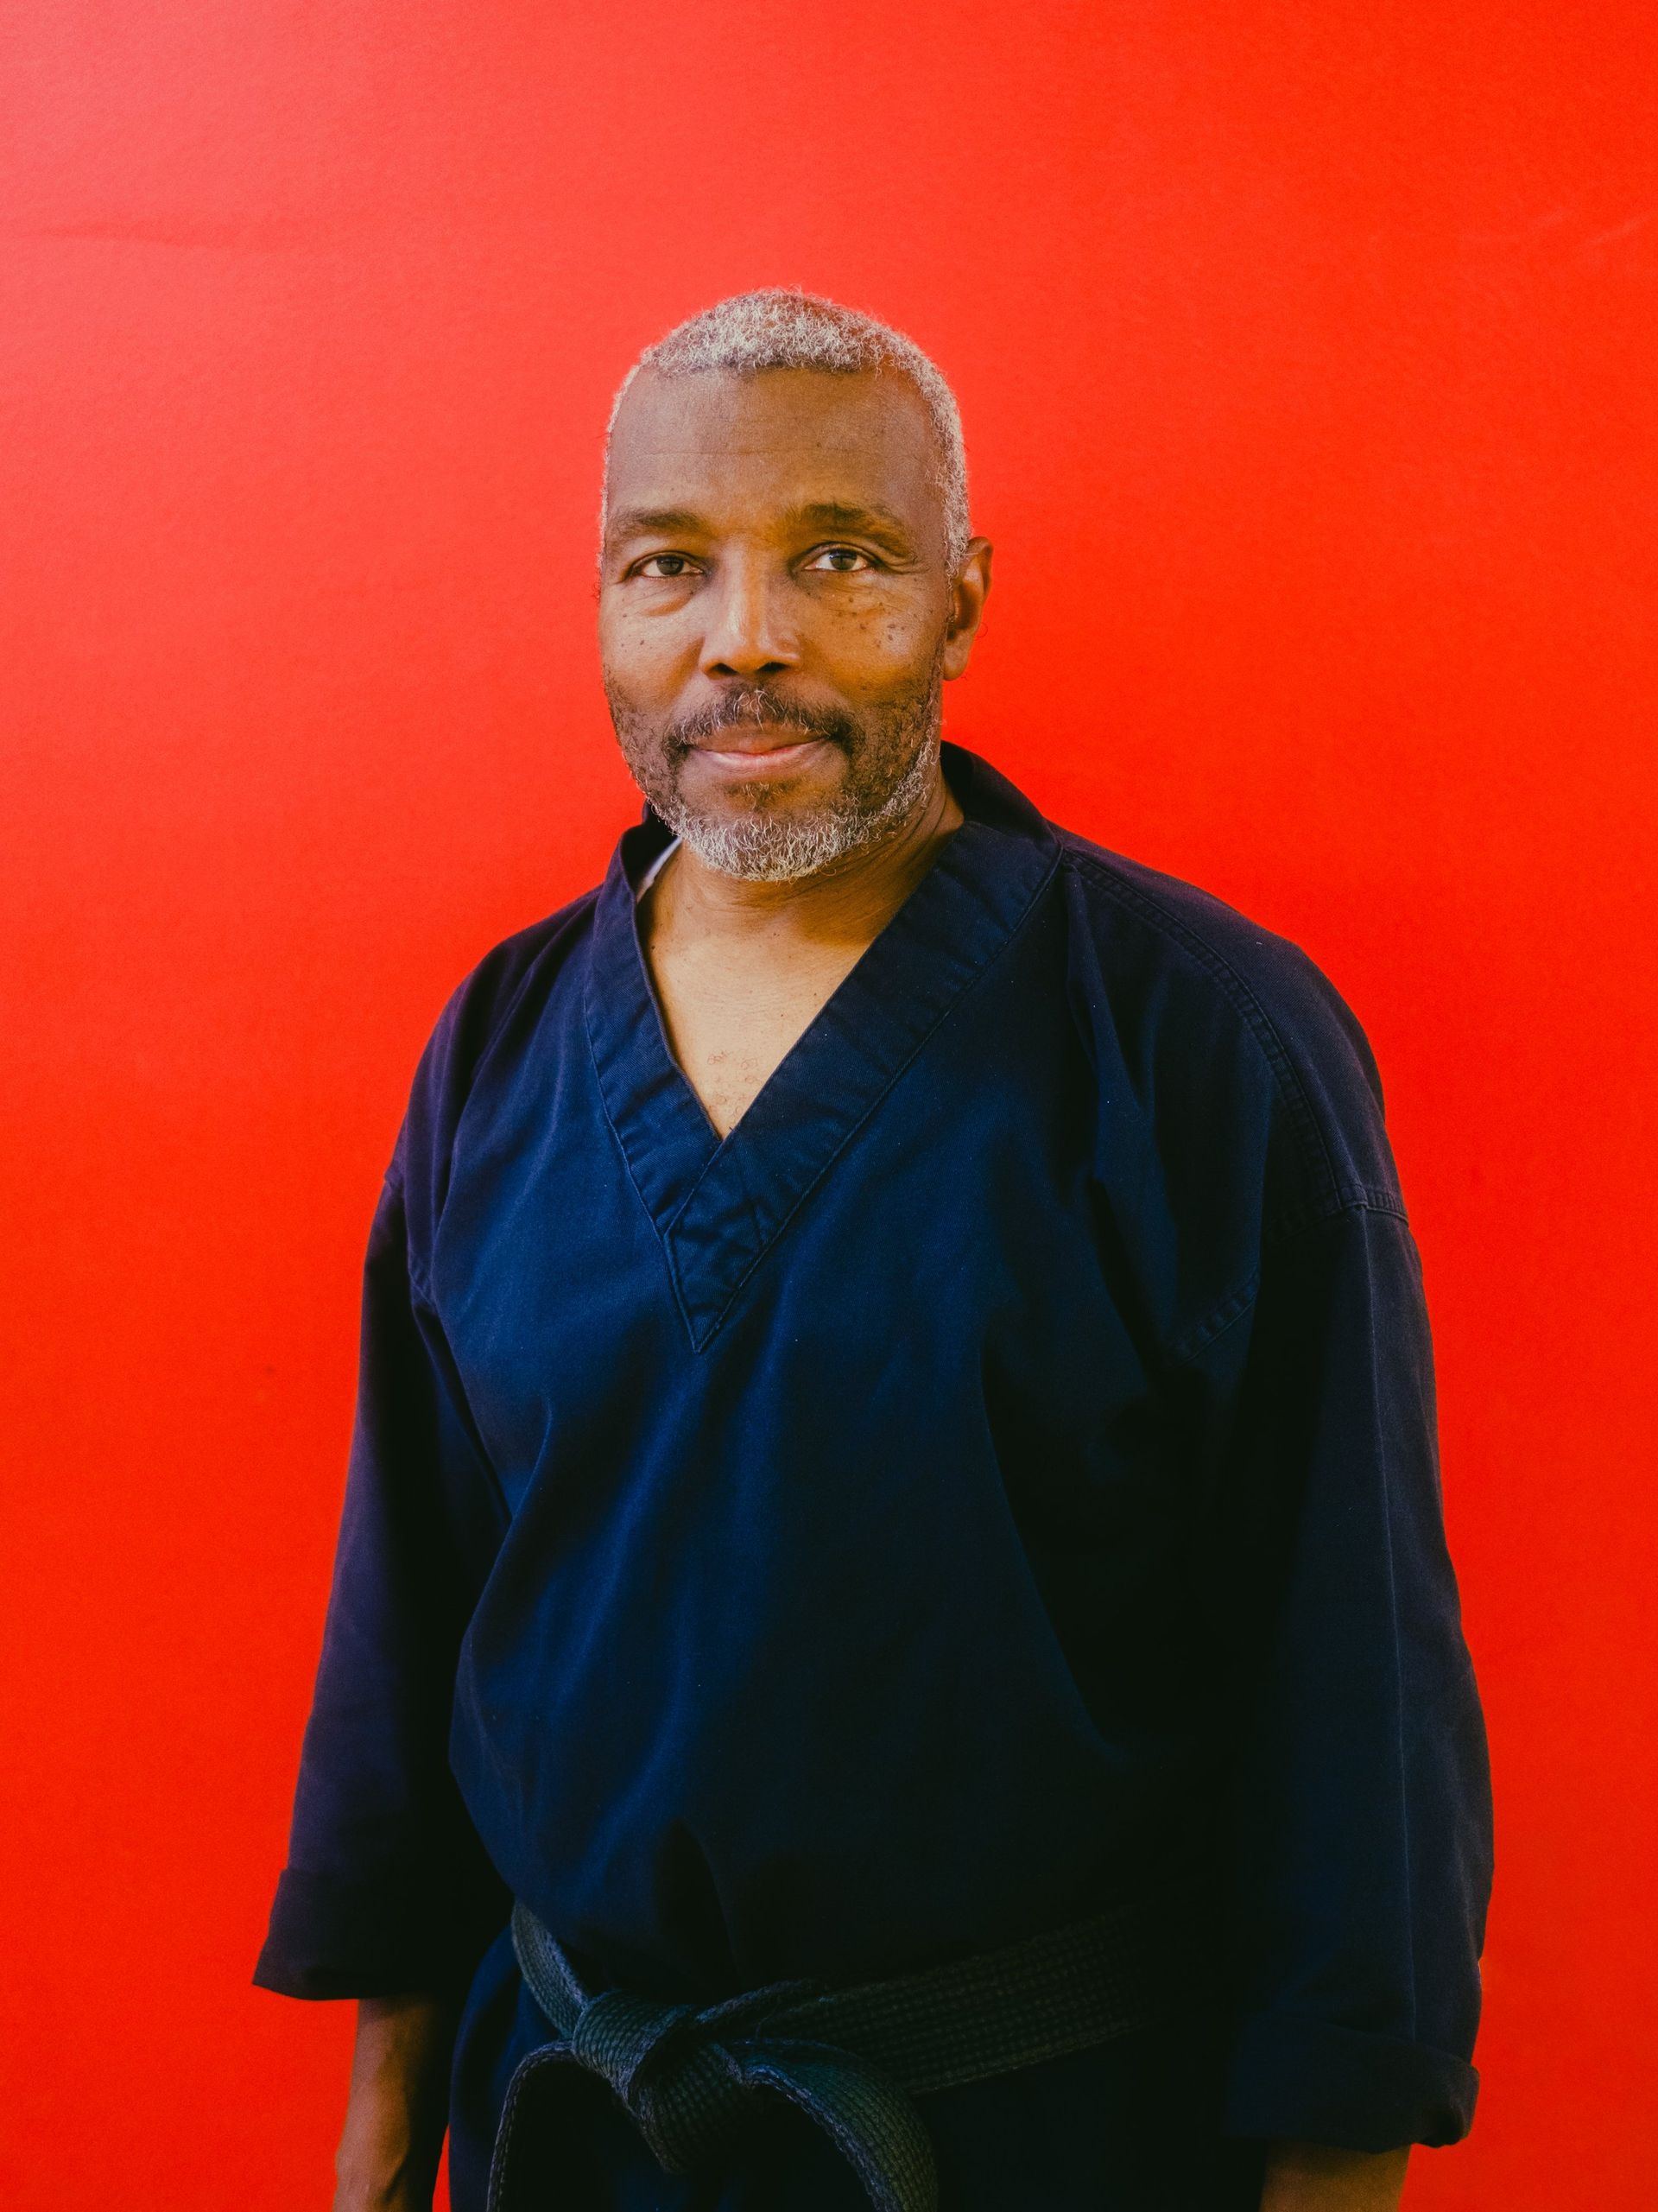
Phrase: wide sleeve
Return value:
(1359, 1844)
(387, 1889)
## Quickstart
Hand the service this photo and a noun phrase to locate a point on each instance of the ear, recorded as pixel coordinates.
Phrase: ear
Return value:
(967, 598)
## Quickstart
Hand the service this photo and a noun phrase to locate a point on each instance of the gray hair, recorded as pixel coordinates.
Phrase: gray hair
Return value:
(753, 331)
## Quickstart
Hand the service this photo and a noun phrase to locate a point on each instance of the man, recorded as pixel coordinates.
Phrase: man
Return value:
(895, 1448)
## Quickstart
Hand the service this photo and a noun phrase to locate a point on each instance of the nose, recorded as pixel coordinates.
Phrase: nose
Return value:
(748, 635)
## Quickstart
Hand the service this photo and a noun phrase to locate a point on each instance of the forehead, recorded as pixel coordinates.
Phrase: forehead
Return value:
(726, 447)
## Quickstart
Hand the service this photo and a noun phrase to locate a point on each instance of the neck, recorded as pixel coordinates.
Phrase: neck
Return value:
(850, 901)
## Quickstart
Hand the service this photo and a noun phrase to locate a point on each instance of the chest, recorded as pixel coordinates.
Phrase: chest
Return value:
(731, 1024)
(929, 1203)
(905, 1224)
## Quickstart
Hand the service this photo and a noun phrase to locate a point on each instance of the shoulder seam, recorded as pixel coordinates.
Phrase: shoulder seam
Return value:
(1344, 1198)
(1353, 1198)
(1297, 1105)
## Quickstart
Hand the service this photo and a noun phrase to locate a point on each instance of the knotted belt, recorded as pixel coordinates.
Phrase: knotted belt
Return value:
(850, 2058)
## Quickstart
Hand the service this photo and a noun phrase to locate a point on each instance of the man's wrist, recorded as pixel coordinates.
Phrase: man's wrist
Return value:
(394, 2120)
(387, 2157)
(1318, 2178)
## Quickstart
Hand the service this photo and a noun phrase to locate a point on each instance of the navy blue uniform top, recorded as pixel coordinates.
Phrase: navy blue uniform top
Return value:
(999, 1474)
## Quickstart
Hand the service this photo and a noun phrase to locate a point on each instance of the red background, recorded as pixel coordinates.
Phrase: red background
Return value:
(1306, 352)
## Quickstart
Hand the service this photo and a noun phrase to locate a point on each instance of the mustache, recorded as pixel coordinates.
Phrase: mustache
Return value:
(754, 707)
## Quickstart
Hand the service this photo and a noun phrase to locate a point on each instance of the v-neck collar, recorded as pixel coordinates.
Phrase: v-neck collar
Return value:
(718, 1205)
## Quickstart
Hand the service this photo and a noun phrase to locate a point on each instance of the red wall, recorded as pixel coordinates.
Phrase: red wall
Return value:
(1306, 351)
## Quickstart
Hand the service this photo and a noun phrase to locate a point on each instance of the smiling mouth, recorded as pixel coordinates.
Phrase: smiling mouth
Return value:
(779, 742)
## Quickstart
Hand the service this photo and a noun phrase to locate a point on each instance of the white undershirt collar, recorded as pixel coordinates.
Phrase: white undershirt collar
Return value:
(653, 870)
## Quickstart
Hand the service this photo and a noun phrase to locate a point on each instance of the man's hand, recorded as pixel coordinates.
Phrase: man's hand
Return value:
(1314, 2177)
(388, 2150)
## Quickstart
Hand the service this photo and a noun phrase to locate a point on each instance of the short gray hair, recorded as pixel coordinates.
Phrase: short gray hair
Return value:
(776, 329)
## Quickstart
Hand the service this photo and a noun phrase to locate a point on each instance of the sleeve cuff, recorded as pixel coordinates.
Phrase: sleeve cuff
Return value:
(390, 1938)
(1309, 2081)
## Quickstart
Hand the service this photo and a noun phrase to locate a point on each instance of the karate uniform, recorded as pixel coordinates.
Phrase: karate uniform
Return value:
(997, 1478)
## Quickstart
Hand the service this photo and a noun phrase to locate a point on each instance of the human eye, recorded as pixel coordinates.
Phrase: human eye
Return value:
(840, 560)
(665, 568)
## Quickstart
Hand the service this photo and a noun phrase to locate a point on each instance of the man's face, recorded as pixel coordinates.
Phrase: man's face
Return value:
(775, 613)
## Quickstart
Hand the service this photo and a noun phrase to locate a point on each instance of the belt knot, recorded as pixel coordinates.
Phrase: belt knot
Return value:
(850, 2058)
(685, 2094)
(619, 2032)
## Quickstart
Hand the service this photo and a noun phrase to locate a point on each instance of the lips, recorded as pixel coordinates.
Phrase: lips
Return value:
(773, 755)
(777, 737)
(757, 756)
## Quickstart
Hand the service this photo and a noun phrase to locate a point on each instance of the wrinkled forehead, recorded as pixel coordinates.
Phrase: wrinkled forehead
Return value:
(733, 449)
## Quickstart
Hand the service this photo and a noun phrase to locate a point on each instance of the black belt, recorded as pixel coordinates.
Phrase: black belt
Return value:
(851, 2059)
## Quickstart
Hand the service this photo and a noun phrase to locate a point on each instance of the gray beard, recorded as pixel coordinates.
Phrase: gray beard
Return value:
(761, 842)
(763, 848)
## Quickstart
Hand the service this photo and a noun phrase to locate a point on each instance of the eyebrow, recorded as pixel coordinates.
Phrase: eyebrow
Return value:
(823, 513)
(863, 521)
(653, 522)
